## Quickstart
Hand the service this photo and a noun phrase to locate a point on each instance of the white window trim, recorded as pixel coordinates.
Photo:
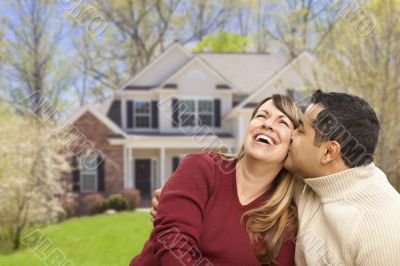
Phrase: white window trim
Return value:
(82, 172)
(207, 113)
(141, 115)
(125, 116)
(196, 111)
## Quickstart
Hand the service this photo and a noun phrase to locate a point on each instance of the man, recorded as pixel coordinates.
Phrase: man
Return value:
(348, 212)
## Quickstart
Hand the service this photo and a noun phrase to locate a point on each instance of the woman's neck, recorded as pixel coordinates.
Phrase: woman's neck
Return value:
(254, 178)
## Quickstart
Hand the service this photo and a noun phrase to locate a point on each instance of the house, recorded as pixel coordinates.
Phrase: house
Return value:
(180, 103)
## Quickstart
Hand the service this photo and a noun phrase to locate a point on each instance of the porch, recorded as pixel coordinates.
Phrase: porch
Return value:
(150, 160)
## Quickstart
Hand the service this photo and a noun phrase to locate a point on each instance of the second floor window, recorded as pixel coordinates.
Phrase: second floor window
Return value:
(187, 113)
(196, 113)
(142, 114)
(205, 109)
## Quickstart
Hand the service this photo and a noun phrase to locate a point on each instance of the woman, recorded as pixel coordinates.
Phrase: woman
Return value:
(218, 209)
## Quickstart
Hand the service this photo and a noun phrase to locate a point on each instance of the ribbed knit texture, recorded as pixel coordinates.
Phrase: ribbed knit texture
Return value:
(348, 218)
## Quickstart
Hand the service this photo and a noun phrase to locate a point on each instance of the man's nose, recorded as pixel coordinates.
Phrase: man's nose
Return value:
(293, 135)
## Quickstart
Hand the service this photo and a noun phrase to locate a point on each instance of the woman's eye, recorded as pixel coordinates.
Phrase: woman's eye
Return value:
(284, 122)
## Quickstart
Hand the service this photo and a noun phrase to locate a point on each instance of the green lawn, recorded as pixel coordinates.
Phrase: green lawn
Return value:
(90, 241)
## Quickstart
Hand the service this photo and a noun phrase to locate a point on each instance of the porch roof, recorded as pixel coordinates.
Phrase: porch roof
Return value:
(174, 140)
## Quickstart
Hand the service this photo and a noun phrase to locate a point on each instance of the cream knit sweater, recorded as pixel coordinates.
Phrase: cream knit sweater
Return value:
(348, 218)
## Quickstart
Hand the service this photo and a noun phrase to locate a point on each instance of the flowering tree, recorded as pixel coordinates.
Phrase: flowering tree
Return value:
(32, 163)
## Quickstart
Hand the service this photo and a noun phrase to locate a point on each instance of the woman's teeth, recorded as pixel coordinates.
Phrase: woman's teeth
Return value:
(265, 139)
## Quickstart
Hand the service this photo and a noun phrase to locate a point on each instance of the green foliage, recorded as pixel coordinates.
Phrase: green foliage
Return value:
(132, 196)
(117, 202)
(223, 41)
(95, 203)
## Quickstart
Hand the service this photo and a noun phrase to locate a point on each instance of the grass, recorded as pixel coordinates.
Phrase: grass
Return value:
(90, 241)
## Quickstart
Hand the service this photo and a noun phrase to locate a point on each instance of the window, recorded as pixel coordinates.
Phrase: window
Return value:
(196, 113)
(187, 113)
(205, 112)
(142, 114)
(88, 180)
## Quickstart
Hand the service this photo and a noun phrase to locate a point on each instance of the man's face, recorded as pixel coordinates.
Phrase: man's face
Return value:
(304, 158)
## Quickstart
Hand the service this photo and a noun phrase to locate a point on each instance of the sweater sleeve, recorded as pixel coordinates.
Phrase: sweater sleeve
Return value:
(184, 197)
(377, 239)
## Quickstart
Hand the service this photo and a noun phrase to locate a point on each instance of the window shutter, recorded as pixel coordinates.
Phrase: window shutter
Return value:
(129, 114)
(175, 112)
(154, 114)
(114, 113)
(100, 173)
(217, 112)
(175, 163)
(75, 174)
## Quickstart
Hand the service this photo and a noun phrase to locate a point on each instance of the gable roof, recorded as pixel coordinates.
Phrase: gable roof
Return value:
(174, 47)
(246, 71)
(197, 59)
(101, 117)
(253, 97)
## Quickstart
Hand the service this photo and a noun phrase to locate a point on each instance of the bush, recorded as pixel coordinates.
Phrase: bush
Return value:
(95, 203)
(117, 202)
(69, 204)
(132, 196)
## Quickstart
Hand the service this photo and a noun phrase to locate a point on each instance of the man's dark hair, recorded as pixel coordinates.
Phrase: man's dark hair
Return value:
(350, 121)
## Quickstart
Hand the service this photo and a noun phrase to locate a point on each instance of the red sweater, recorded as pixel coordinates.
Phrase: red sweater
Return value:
(198, 219)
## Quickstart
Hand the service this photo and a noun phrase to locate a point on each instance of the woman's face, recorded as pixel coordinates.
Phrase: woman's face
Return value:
(269, 134)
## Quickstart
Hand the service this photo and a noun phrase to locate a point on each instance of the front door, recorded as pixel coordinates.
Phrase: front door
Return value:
(143, 176)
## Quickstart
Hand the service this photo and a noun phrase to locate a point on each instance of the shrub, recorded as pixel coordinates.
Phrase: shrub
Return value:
(94, 203)
(132, 196)
(69, 204)
(117, 202)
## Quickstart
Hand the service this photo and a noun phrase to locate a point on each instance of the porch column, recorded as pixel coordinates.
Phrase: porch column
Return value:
(162, 165)
(126, 174)
(131, 178)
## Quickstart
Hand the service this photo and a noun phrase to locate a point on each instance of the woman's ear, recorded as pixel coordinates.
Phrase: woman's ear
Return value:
(332, 152)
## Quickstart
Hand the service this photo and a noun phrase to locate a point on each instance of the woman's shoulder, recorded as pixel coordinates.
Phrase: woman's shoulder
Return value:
(212, 160)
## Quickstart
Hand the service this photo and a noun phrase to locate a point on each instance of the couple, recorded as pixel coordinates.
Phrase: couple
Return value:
(251, 209)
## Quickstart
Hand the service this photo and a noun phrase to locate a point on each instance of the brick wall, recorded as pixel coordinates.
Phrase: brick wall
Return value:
(95, 131)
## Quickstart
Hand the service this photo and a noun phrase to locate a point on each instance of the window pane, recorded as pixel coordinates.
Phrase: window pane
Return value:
(205, 120)
(187, 120)
(89, 163)
(186, 106)
(205, 106)
(142, 121)
(142, 107)
(88, 182)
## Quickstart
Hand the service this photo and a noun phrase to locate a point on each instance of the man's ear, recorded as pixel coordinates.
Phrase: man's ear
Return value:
(331, 152)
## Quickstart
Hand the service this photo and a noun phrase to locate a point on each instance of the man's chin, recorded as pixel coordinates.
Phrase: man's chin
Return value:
(288, 163)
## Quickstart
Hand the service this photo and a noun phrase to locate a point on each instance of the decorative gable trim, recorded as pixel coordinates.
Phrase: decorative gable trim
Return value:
(138, 88)
(197, 59)
(223, 87)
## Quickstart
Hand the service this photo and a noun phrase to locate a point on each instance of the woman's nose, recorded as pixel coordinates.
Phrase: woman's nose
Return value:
(269, 124)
